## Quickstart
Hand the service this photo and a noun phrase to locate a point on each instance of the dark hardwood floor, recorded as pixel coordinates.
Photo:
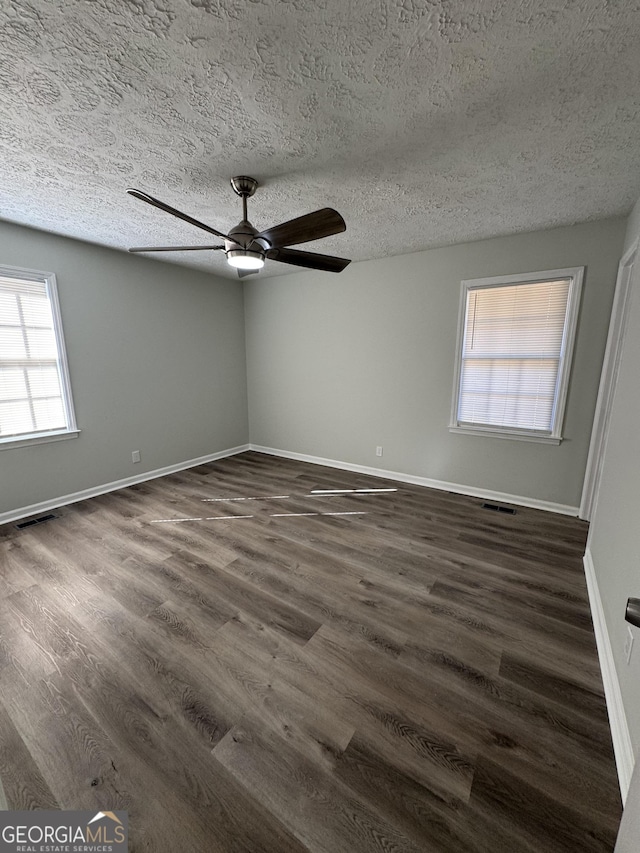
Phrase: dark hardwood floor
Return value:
(246, 664)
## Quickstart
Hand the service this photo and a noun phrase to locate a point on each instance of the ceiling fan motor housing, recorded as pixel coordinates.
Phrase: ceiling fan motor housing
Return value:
(242, 250)
(242, 236)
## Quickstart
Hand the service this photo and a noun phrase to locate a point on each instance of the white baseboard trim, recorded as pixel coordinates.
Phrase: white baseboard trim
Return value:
(500, 497)
(94, 491)
(622, 745)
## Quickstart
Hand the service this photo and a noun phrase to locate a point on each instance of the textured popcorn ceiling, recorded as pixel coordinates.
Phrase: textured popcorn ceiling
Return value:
(424, 123)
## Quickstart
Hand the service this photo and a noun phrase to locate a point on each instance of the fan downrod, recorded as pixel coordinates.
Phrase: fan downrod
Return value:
(244, 186)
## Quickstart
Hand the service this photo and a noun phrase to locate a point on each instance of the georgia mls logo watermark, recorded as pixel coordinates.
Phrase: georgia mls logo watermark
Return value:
(63, 832)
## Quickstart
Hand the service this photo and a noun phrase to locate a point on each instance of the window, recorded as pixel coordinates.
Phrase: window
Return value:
(35, 394)
(515, 343)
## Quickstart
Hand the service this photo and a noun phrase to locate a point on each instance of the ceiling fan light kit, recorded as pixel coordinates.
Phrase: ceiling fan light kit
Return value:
(246, 248)
(243, 259)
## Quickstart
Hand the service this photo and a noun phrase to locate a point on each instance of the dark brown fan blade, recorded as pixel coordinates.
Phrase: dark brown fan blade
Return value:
(243, 273)
(311, 260)
(167, 209)
(175, 248)
(312, 226)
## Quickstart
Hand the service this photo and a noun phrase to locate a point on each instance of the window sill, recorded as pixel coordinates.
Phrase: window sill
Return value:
(513, 435)
(37, 438)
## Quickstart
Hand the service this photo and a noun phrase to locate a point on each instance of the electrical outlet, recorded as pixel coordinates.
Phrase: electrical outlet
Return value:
(378, 451)
(135, 455)
(628, 645)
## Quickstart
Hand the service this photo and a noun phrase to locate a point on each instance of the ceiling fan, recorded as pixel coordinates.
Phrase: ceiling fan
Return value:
(246, 248)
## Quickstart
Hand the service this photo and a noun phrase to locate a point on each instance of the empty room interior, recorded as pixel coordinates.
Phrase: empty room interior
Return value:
(319, 408)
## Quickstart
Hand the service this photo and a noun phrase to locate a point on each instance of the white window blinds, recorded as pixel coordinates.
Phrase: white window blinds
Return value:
(513, 364)
(34, 395)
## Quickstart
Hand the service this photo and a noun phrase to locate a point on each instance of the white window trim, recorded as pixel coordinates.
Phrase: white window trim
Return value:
(576, 274)
(72, 431)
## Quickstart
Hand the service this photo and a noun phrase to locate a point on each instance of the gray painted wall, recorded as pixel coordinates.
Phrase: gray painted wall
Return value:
(157, 362)
(614, 538)
(629, 835)
(340, 364)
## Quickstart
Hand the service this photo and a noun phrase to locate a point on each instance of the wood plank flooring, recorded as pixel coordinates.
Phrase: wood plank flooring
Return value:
(246, 661)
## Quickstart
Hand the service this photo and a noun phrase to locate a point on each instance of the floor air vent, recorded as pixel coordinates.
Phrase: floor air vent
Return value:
(497, 508)
(32, 521)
